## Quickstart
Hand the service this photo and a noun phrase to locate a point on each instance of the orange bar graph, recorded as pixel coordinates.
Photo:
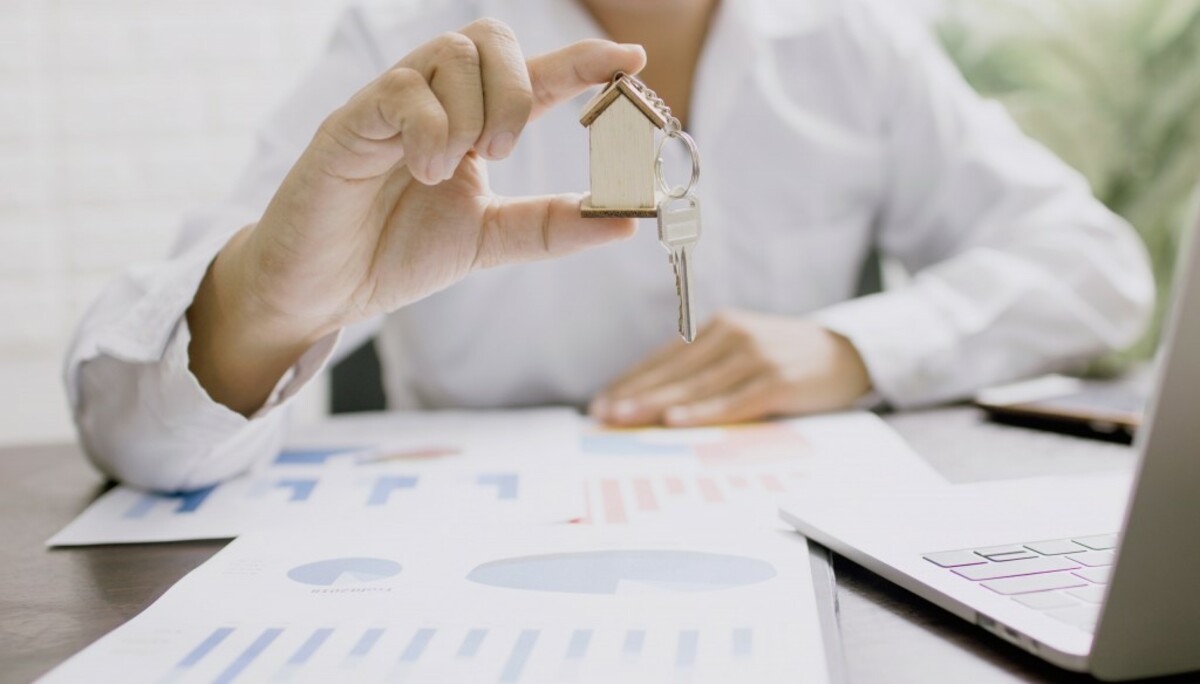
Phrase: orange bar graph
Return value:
(644, 495)
(709, 490)
(771, 483)
(614, 506)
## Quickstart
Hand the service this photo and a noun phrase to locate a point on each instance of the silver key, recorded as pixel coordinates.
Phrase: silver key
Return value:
(679, 231)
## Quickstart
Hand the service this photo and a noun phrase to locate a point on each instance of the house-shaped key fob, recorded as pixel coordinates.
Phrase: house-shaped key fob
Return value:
(621, 123)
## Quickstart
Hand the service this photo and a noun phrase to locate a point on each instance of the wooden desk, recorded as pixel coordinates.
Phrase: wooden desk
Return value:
(53, 603)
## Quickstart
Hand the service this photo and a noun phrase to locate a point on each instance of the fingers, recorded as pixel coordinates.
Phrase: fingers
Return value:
(455, 78)
(507, 93)
(626, 401)
(531, 228)
(753, 400)
(744, 366)
(650, 406)
(395, 118)
(462, 91)
(561, 75)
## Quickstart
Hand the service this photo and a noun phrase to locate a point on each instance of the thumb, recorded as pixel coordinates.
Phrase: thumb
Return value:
(532, 228)
(561, 75)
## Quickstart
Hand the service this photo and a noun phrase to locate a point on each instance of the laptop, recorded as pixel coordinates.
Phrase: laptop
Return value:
(1093, 573)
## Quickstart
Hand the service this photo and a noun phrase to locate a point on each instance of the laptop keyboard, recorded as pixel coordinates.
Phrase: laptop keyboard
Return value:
(1064, 578)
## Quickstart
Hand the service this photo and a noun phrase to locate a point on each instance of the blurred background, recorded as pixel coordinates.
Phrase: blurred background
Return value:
(117, 117)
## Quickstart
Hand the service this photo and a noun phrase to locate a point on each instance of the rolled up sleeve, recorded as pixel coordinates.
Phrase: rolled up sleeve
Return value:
(1017, 268)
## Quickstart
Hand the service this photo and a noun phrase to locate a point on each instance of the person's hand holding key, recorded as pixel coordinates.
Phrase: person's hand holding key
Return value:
(390, 203)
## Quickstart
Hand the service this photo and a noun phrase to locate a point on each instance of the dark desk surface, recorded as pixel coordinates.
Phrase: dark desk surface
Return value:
(53, 603)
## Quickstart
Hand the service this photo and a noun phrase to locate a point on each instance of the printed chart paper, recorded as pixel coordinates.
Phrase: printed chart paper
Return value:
(424, 603)
(436, 439)
(535, 466)
(393, 466)
(743, 471)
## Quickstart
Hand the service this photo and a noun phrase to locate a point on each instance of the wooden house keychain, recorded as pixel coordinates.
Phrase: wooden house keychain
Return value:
(627, 177)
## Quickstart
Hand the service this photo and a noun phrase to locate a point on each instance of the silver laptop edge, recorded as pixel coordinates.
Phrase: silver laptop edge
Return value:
(1150, 618)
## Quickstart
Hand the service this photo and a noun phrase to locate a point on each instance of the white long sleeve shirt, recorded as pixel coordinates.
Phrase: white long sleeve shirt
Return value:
(827, 128)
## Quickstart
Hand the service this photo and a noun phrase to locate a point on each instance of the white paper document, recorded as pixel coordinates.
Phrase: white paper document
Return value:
(742, 471)
(431, 603)
(531, 466)
(460, 465)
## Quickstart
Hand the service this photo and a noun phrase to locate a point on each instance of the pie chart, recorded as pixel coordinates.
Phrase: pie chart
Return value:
(624, 572)
(343, 571)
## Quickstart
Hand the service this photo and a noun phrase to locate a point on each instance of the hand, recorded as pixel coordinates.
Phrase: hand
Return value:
(390, 203)
(743, 366)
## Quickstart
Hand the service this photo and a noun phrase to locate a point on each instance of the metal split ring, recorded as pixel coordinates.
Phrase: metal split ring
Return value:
(678, 192)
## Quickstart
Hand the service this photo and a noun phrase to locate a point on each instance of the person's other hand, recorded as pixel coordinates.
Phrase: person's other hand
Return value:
(743, 366)
(390, 203)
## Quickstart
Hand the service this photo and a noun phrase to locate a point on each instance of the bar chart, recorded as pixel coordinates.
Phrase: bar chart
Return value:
(629, 499)
(509, 655)
(715, 447)
(282, 495)
(359, 456)
(181, 503)
(312, 457)
(425, 601)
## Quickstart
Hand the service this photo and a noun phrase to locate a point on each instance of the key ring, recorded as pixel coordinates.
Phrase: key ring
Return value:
(678, 192)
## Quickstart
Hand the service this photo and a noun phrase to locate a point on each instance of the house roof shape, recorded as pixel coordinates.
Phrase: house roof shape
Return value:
(633, 90)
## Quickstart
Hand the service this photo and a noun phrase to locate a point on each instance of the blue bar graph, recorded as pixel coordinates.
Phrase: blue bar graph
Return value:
(310, 646)
(689, 642)
(635, 639)
(197, 654)
(384, 486)
(472, 642)
(365, 643)
(506, 485)
(189, 502)
(412, 652)
(743, 642)
(578, 647)
(310, 456)
(519, 656)
(247, 656)
(630, 444)
(301, 489)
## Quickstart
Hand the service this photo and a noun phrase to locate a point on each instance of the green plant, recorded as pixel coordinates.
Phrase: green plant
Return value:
(1111, 86)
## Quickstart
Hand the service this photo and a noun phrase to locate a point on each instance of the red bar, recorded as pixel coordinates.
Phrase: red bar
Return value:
(644, 493)
(708, 490)
(674, 485)
(738, 481)
(614, 507)
(772, 483)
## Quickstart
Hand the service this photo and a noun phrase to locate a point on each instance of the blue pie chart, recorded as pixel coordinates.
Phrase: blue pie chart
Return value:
(343, 571)
(624, 572)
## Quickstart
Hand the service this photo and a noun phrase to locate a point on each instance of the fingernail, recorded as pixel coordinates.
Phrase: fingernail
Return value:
(436, 170)
(677, 414)
(625, 408)
(501, 145)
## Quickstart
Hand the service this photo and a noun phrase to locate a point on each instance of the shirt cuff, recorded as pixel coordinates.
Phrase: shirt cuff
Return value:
(185, 405)
(901, 338)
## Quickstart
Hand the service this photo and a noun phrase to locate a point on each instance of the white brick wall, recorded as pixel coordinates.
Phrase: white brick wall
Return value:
(116, 118)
